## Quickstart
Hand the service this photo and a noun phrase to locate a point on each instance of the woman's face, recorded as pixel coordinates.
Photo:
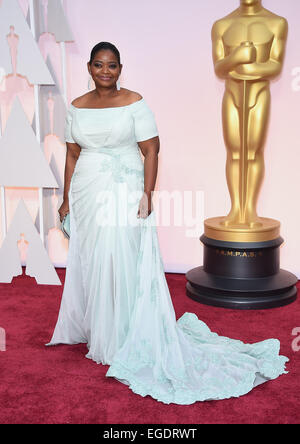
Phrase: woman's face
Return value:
(105, 69)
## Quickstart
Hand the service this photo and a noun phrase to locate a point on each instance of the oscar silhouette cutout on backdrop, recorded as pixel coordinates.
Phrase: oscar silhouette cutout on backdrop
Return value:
(13, 40)
(45, 14)
(23, 247)
(241, 250)
(19, 75)
(15, 84)
(55, 153)
(22, 244)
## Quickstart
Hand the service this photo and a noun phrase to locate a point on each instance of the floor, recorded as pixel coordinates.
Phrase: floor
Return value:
(58, 384)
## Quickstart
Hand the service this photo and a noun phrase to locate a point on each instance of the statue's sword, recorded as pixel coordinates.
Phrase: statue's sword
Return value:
(244, 150)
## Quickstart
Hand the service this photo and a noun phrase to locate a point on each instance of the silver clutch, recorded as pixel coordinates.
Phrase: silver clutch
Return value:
(65, 226)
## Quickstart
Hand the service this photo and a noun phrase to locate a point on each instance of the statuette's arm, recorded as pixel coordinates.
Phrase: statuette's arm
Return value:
(271, 68)
(241, 55)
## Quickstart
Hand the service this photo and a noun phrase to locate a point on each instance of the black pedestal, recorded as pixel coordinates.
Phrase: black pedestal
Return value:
(241, 275)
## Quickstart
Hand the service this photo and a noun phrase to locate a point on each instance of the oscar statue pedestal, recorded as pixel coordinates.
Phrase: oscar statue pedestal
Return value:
(241, 273)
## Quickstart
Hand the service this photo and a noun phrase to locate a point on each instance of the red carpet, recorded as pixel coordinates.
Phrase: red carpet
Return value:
(41, 384)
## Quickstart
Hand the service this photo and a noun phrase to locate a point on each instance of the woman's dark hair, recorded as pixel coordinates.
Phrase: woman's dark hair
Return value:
(105, 45)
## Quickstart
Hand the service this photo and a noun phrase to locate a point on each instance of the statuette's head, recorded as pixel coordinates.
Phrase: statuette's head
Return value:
(250, 2)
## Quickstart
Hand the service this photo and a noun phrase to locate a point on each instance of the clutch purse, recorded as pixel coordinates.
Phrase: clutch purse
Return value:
(65, 225)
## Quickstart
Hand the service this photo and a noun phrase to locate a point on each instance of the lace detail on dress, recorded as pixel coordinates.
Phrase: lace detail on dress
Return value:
(208, 374)
(119, 170)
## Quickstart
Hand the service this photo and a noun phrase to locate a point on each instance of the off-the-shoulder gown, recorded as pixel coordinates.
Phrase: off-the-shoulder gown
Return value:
(116, 298)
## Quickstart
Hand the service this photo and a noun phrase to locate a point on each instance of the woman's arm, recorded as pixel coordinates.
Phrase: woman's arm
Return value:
(73, 151)
(150, 150)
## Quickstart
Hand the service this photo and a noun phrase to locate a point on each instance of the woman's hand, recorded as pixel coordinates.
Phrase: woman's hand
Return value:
(64, 209)
(145, 205)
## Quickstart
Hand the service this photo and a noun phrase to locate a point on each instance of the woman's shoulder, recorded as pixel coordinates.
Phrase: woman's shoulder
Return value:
(126, 97)
(130, 97)
(81, 101)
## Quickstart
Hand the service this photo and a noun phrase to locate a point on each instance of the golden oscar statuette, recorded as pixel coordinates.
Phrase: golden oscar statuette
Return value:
(241, 250)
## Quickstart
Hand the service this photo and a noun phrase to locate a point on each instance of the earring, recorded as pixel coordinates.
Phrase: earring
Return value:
(91, 83)
(118, 85)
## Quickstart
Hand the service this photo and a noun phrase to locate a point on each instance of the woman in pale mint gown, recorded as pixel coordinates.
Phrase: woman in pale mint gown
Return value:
(116, 298)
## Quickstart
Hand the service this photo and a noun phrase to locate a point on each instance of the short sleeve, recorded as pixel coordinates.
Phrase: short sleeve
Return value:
(68, 126)
(144, 121)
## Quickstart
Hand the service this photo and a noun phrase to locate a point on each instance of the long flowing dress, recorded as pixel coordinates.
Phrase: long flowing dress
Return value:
(116, 298)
